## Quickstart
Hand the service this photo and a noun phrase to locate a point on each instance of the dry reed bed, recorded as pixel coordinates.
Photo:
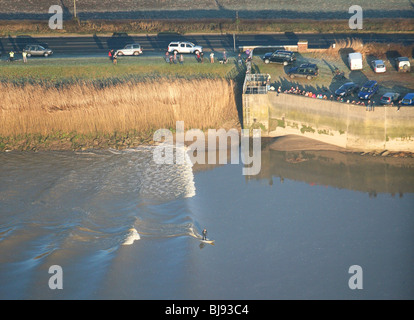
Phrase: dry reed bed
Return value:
(142, 107)
(379, 50)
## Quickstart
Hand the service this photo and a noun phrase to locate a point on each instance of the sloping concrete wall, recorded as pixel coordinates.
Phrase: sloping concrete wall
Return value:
(342, 124)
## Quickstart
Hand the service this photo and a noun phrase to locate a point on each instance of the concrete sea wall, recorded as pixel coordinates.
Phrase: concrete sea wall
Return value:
(342, 124)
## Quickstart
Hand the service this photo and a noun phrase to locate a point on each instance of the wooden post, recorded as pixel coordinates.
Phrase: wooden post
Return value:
(74, 8)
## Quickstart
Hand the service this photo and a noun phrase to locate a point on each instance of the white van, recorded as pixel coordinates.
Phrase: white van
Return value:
(355, 61)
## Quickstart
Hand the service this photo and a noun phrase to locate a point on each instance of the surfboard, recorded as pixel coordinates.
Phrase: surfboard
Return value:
(207, 241)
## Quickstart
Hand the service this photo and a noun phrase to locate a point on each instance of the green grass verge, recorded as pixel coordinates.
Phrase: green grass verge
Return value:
(72, 70)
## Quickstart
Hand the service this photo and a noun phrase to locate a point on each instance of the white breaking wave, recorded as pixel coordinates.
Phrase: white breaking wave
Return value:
(131, 237)
(168, 181)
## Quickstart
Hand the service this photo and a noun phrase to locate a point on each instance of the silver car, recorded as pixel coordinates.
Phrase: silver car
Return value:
(37, 50)
(390, 98)
(133, 49)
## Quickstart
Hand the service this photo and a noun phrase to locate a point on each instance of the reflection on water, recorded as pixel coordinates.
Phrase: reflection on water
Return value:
(122, 226)
(350, 171)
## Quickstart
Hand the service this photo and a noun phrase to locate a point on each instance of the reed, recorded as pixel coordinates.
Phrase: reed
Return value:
(379, 50)
(126, 107)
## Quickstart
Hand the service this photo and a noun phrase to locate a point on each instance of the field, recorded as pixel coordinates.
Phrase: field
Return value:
(258, 9)
(91, 103)
(19, 17)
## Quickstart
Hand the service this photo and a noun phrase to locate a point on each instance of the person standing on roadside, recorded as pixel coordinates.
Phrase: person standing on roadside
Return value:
(212, 57)
(224, 57)
(24, 54)
(11, 56)
(181, 59)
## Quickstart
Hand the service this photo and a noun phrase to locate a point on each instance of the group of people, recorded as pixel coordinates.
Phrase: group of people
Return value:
(12, 54)
(173, 59)
(305, 93)
(369, 105)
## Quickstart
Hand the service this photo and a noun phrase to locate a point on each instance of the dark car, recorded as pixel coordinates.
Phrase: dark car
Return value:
(390, 98)
(307, 71)
(37, 50)
(347, 89)
(279, 56)
(368, 90)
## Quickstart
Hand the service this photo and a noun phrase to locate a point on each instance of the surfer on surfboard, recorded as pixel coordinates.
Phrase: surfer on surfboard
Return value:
(204, 234)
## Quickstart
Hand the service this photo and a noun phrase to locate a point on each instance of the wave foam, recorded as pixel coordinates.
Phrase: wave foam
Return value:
(131, 237)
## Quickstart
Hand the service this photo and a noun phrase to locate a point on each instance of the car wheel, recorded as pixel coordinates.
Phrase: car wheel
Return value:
(291, 76)
(46, 54)
(267, 61)
(29, 54)
(175, 52)
(285, 63)
(197, 52)
(136, 53)
(308, 77)
(120, 53)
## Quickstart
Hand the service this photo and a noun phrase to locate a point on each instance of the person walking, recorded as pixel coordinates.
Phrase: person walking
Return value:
(181, 59)
(24, 54)
(224, 57)
(114, 58)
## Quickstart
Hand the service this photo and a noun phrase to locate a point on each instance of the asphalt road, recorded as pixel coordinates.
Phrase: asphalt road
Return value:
(97, 45)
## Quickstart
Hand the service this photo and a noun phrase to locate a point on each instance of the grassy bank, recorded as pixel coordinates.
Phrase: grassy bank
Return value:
(183, 26)
(97, 105)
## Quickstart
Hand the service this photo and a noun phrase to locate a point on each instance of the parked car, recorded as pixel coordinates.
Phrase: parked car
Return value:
(279, 56)
(368, 90)
(307, 71)
(37, 50)
(184, 47)
(379, 66)
(403, 64)
(408, 100)
(133, 49)
(347, 89)
(390, 98)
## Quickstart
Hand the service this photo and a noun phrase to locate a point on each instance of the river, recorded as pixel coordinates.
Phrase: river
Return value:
(122, 227)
